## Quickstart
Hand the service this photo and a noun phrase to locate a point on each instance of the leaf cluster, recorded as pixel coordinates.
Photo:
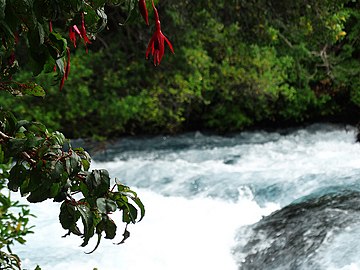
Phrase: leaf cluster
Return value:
(38, 30)
(14, 218)
(47, 167)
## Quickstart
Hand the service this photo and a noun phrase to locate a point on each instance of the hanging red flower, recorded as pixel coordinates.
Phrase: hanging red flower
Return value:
(73, 30)
(72, 35)
(144, 11)
(156, 45)
(83, 31)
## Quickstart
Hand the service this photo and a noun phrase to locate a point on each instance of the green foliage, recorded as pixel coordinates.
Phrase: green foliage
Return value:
(236, 66)
(14, 218)
(45, 165)
(48, 168)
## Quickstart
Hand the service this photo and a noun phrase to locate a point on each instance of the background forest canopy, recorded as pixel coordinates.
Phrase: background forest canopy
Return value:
(237, 64)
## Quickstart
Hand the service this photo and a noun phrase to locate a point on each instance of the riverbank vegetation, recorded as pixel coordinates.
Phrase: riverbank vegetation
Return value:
(236, 65)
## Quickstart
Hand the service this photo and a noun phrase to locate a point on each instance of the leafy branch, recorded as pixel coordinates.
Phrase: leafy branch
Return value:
(47, 167)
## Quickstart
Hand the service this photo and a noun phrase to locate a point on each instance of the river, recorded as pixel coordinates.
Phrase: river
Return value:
(253, 200)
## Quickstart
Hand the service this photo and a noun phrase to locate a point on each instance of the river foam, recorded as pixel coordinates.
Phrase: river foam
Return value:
(198, 191)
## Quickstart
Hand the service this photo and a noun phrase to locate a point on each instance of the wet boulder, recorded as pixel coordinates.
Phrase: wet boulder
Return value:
(291, 237)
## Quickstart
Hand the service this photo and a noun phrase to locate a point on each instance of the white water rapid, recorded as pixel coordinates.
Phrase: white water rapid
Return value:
(200, 191)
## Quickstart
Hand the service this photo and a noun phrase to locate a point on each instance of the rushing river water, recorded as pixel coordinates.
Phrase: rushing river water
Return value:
(254, 200)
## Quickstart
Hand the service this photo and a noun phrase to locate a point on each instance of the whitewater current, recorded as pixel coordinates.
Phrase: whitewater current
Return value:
(254, 200)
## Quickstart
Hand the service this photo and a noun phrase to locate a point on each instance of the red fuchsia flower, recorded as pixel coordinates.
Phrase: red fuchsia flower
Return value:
(83, 31)
(62, 82)
(144, 11)
(156, 45)
(50, 26)
(73, 30)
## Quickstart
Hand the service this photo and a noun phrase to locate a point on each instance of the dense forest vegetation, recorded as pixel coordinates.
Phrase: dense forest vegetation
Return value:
(237, 64)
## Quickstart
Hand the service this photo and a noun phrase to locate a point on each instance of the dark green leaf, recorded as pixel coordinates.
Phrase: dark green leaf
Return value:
(133, 212)
(131, 11)
(37, 127)
(36, 36)
(39, 195)
(57, 46)
(60, 197)
(110, 229)
(2, 9)
(57, 171)
(33, 141)
(105, 205)
(73, 164)
(2, 160)
(98, 182)
(98, 3)
(126, 235)
(39, 57)
(97, 244)
(87, 219)
(17, 176)
(55, 189)
(76, 5)
(68, 217)
(141, 206)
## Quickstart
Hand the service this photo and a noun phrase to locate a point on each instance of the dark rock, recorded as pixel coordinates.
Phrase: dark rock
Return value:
(289, 238)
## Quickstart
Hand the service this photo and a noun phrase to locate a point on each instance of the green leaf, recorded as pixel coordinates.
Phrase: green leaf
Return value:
(97, 244)
(76, 5)
(2, 9)
(73, 164)
(98, 182)
(59, 138)
(39, 56)
(2, 159)
(105, 205)
(103, 19)
(131, 11)
(21, 240)
(36, 35)
(68, 217)
(56, 171)
(33, 141)
(60, 66)
(98, 3)
(110, 229)
(85, 158)
(141, 206)
(21, 123)
(34, 89)
(126, 235)
(132, 212)
(7, 30)
(37, 128)
(39, 195)
(17, 146)
(87, 219)
(61, 196)
(18, 174)
(57, 46)
(55, 189)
